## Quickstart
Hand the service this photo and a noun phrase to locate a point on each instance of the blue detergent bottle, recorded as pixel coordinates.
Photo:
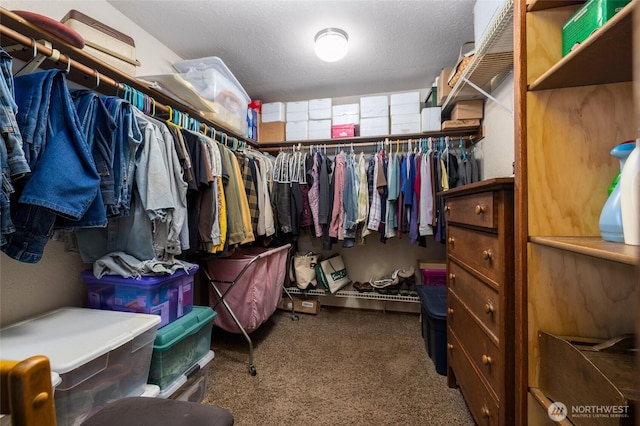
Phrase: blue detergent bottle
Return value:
(611, 215)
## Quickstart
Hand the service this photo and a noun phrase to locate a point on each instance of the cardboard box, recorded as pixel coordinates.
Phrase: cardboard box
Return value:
(591, 16)
(444, 89)
(460, 124)
(468, 110)
(431, 119)
(305, 306)
(272, 131)
(339, 120)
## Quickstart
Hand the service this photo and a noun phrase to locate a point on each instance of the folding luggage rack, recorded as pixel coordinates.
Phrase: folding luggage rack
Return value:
(257, 274)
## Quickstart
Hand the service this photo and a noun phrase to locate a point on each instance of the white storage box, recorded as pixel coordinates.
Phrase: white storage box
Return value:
(374, 106)
(298, 111)
(320, 129)
(404, 103)
(273, 111)
(346, 119)
(192, 385)
(100, 355)
(484, 13)
(374, 126)
(103, 42)
(347, 109)
(405, 123)
(431, 119)
(320, 109)
(297, 130)
(213, 81)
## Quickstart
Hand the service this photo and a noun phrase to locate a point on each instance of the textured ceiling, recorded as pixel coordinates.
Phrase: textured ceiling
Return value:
(268, 45)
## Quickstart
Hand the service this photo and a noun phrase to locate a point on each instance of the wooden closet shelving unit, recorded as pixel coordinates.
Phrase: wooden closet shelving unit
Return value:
(570, 112)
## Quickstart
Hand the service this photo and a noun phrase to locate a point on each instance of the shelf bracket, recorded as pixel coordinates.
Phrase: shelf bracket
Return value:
(487, 95)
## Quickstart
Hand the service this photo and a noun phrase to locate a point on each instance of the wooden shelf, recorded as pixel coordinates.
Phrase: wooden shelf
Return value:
(550, 4)
(594, 247)
(603, 58)
(545, 403)
(471, 136)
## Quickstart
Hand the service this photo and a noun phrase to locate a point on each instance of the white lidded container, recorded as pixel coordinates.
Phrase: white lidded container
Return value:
(99, 355)
(630, 197)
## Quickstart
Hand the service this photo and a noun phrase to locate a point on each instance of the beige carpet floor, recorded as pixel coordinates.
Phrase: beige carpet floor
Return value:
(340, 367)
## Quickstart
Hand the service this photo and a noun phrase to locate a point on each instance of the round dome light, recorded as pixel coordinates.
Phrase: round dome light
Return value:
(332, 44)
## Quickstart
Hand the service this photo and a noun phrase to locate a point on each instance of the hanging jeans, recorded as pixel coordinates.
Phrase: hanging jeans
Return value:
(13, 163)
(98, 128)
(64, 181)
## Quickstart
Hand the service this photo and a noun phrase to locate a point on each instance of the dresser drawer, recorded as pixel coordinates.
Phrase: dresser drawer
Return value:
(474, 209)
(479, 250)
(482, 351)
(481, 402)
(481, 299)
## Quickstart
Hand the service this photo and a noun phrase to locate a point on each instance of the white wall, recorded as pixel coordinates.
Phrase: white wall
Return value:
(496, 151)
(27, 290)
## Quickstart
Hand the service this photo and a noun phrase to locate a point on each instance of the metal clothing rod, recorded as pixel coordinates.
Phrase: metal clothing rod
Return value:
(121, 89)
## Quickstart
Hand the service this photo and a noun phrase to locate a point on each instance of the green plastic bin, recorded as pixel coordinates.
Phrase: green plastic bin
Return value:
(180, 344)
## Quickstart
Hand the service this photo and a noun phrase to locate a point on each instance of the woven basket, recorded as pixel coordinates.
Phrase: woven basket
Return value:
(463, 62)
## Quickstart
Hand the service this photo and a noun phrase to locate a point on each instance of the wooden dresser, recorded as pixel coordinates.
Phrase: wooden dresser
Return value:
(480, 298)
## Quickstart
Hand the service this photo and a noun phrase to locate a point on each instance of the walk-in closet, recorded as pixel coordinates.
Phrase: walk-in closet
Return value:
(210, 215)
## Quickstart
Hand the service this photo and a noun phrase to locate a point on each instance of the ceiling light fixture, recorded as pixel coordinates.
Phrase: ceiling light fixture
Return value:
(332, 44)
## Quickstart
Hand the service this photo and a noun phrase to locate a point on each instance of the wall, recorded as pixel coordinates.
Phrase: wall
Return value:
(496, 151)
(27, 290)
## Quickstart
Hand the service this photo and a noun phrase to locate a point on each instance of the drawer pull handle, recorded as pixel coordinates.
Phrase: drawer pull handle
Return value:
(447, 209)
(485, 412)
(449, 346)
(486, 360)
(480, 209)
(451, 240)
(452, 277)
(488, 308)
(487, 254)
(450, 311)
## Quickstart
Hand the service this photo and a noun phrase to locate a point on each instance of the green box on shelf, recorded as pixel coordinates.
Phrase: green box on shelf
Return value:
(591, 16)
(180, 344)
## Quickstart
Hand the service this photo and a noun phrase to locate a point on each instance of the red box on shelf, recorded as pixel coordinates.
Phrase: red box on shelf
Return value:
(343, 131)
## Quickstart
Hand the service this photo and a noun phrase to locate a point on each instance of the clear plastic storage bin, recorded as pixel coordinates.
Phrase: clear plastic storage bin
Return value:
(213, 81)
(169, 296)
(192, 385)
(99, 355)
(179, 346)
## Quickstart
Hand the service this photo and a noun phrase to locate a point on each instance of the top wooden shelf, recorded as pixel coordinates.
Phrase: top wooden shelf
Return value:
(550, 4)
(594, 247)
(602, 58)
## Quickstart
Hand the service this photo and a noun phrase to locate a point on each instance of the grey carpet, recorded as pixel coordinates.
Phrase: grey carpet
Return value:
(340, 367)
